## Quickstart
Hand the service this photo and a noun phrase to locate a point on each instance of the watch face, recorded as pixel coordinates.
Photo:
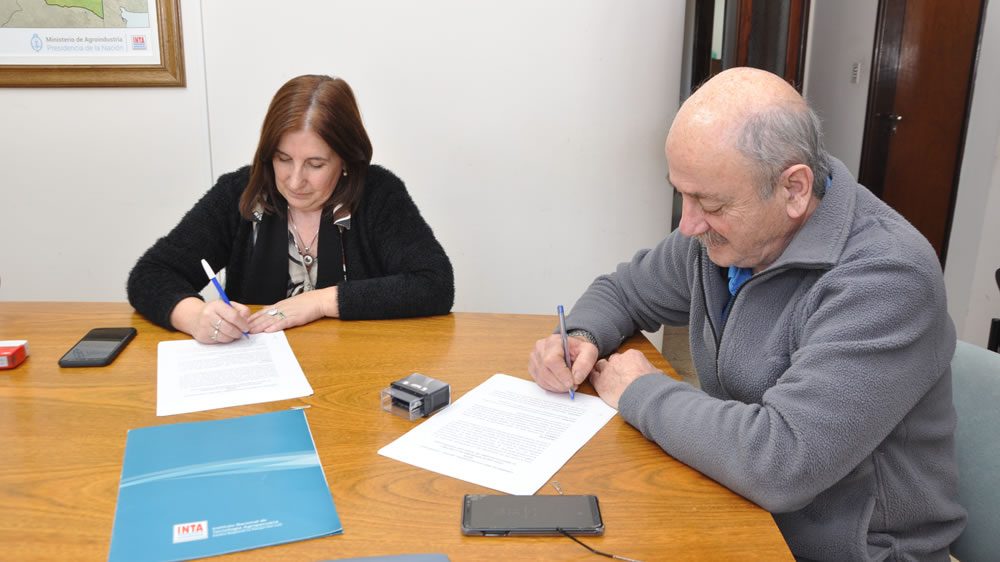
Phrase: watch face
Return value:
(583, 334)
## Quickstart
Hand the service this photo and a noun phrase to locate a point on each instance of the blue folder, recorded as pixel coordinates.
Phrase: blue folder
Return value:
(199, 489)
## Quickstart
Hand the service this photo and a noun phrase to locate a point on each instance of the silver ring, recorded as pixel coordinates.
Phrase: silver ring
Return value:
(215, 335)
(272, 312)
(217, 324)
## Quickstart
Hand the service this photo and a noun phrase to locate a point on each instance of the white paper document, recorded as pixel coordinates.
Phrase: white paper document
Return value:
(192, 376)
(507, 434)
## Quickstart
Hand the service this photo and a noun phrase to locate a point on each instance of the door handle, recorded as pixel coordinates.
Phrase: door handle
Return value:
(893, 119)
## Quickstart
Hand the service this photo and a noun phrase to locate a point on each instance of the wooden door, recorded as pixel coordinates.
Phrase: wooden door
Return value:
(923, 67)
(766, 34)
(772, 36)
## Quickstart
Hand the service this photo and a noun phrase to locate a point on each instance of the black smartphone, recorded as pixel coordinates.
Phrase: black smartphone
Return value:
(98, 348)
(506, 515)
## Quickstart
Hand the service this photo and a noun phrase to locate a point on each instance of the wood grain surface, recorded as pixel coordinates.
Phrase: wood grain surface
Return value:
(62, 440)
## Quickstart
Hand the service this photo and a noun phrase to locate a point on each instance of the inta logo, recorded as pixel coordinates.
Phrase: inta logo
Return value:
(194, 531)
(138, 42)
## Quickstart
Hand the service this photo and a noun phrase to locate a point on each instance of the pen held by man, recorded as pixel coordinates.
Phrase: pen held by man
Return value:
(565, 343)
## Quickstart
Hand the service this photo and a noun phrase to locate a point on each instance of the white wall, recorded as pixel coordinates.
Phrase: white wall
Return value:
(718, 23)
(974, 247)
(841, 34)
(91, 176)
(517, 127)
(530, 135)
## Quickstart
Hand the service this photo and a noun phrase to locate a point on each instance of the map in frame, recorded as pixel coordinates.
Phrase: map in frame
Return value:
(69, 32)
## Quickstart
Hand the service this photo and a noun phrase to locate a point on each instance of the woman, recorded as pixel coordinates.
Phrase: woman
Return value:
(310, 227)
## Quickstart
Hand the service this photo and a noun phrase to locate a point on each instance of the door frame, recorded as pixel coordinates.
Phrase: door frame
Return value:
(881, 97)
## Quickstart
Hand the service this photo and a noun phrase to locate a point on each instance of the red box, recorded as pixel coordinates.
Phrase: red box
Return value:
(13, 353)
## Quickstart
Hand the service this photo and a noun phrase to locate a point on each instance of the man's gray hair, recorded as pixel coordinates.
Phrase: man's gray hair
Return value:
(781, 136)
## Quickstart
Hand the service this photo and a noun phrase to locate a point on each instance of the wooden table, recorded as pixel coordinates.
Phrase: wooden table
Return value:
(62, 440)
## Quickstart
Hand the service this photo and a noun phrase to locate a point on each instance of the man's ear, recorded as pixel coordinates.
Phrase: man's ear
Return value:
(796, 184)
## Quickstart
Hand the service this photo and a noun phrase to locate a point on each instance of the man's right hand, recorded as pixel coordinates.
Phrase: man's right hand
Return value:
(548, 365)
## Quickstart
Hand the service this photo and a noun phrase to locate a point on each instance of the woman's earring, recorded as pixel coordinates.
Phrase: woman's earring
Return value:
(344, 173)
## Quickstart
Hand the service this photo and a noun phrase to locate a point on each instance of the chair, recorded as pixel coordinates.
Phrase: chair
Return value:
(976, 388)
(994, 341)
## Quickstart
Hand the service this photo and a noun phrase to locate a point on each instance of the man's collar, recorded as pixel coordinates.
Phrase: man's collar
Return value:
(821, 240)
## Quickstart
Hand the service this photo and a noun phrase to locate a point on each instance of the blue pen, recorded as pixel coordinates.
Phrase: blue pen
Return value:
(222, 294)
(562, 330)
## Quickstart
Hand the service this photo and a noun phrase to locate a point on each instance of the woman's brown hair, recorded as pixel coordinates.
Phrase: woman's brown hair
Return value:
(326, 106)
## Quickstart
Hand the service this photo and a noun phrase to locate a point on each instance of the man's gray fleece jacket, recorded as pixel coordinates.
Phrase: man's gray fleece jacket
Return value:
(825, 393)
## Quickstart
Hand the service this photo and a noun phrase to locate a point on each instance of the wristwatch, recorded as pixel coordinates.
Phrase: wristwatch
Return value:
(583, 334)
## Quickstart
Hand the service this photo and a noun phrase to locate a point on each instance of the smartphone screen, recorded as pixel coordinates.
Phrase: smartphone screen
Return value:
(98, 348)
(503, 515)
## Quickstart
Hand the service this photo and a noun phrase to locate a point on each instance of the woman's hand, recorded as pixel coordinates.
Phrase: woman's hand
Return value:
(296, 311)
(211, 322)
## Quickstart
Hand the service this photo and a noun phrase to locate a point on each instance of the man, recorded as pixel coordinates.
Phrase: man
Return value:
(818, 330)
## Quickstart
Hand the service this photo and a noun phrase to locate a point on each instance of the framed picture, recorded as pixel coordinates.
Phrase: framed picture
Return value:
(95, 43)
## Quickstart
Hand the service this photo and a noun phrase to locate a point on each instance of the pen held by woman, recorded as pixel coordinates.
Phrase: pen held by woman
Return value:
(222, 294)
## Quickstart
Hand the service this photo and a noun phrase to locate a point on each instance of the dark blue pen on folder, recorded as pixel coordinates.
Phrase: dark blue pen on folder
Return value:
(562, 331)
(215, 281)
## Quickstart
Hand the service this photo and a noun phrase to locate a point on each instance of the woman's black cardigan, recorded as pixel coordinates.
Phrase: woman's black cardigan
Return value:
(395, 266)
